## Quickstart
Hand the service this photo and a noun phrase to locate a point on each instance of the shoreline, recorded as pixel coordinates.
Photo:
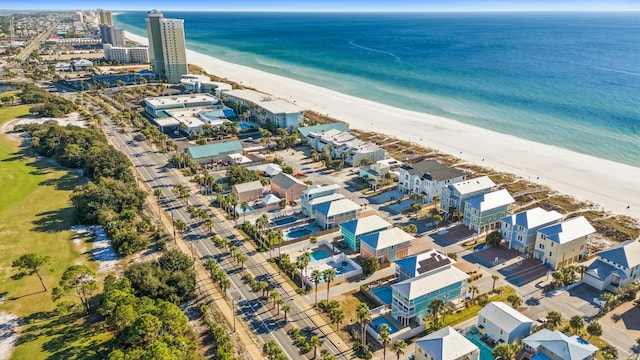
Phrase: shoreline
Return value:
(584, 177)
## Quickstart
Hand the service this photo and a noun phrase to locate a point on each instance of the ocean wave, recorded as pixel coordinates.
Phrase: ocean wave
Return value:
(398, 59)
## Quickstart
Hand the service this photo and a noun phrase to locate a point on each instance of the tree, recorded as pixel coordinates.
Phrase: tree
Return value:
(364, 316)
(244, 206)
(495, 278)
(505, 351)
(315, 342)
(385, 338)
(316, 276)
(594, 329)
(435, 308)
(370, 266)
(494, 238)
(336, 315)
(80, 280)
(158, 194)
(285, 309)
(576, 322)
(514, 300)
(609, 352)
(301, 263)
(329, 274)
(473, 290)
(554, 319)
(398, 348)
(29, 264)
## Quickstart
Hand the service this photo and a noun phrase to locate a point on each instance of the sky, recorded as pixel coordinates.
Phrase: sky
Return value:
(334, 5)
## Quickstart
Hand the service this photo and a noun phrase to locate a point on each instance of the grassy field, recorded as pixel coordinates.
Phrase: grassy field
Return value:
(36, 216)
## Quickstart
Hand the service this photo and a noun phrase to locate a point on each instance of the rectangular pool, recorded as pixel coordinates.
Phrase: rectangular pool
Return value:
(297, 232)
(283, 221)
(319, 254)
(485, 350)
(381, 320)
(383, 293)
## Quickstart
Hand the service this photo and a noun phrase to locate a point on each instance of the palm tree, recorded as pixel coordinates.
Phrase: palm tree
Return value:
(158, 194)
(435, 199)
(609, 352)
(594, 329)
(495, 278)
(316, 276)
(364, 316)
(301, 264)
(329, 274)
(244, 206)
(336, 316)
(279, 302)
(577, 323)
(554, 319)
(435, 308)
(307, 259)
(514, 300)
(473, 290)
(385, 339)
(274, 295)
(506, 351)
(315, 342)
(242, 259)
(398, 348)
(285, 309)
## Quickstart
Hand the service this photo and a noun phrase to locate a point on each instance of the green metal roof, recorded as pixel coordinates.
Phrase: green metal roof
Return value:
(306, 130)
(205, 151)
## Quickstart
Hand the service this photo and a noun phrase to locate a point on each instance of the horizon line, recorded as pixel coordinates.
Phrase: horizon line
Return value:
(634, 10)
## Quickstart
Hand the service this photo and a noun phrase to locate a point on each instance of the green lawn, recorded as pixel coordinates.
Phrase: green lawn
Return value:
(36, 216)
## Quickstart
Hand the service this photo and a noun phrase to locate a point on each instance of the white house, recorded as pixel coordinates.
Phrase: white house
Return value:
(334, 213)
(503, 324)
(428, 177)
(519, 230)
(483, 212)
(454, 195)
(562, 244)
(615, 267)
(316, 195)
(446, 344)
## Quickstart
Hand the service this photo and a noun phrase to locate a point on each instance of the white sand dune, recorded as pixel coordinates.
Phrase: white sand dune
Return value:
(612, 185)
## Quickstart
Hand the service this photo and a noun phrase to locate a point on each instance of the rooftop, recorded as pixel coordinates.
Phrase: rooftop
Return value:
(491, 200)
(387, 238)
(204, 151)
(563, 346)
(432, 170)
(265, 101)
(430, 282)
(504, 316)
(568, 230)
(472, 185)
(417, 265)
(626, 254)
(285, 181)
(446, 344)
(312, 190)
(324, 199)
(337, 207)
(533, 218)
(306, 130)
(269, 169)
(175, 100)
(365, 225)
(248, 186)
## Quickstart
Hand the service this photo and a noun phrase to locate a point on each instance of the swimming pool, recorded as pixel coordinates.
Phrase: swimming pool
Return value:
(486, 353)
(319, 254)
(246, 125)
(383, 293)
(298, 232)
(239, 209)
(382, 320)
(283, 221)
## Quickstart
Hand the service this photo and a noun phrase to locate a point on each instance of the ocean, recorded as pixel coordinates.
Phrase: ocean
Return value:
(565, 79)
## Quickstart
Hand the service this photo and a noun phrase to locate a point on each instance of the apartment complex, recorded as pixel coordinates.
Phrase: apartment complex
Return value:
(166, 46)
(127, 55)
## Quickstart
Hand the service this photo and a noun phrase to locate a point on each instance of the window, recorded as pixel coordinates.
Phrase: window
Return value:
(541, 246)
(501, 332)
(484, 320)
(550, 253)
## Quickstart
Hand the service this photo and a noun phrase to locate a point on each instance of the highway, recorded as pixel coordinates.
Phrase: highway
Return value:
(35, 43)
(153, 168)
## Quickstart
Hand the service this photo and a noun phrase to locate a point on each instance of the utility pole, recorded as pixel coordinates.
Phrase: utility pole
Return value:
(173, 223)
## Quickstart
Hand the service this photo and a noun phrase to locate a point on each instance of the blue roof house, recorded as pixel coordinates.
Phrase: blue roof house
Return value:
(353, 231)
(519, 230)
(615, 267)
(483, 212)
(547, 344)
(418, 265)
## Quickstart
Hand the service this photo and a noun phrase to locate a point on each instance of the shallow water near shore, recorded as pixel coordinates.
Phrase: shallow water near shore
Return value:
(566, 79)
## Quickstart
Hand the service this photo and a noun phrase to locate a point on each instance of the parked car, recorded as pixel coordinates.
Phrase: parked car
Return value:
(598, 302)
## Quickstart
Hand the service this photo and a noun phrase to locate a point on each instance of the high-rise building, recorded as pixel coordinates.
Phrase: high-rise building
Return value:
(166, 46)
(105, 17)
(110, 35)
(134, 54)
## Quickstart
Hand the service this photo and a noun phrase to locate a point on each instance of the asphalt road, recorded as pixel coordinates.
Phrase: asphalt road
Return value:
(153, 168)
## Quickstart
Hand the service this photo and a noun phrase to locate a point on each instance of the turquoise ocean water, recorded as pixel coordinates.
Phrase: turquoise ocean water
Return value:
(566, 79)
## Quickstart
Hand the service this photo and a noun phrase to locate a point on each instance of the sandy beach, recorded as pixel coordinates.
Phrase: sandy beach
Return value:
(612, 185)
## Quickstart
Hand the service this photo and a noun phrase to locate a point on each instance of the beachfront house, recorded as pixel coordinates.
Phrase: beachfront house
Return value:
(519, 230)
(316, 195)
(562, 244)
(268, 170)
(446, 344)
(411, 298)
(312, 134)
(420, 264)
(265, 108)
(353, 231)
(223, 151)
(547, 344)
(387, 245)
(615, 267)
(428, 177)
(454, 195)
(342, 144)
(334, 213)
(287, 186)
(483, 212)
(503, 324)
(249, 191)
(376, 174)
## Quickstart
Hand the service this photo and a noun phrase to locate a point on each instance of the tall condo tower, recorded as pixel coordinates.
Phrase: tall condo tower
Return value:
(166, 46)
(104, 17)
